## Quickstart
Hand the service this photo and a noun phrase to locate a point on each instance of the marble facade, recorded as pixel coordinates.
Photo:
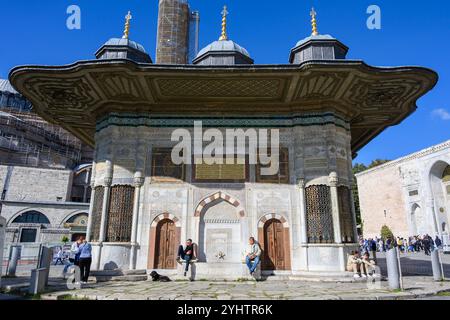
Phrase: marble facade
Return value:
(411, 195)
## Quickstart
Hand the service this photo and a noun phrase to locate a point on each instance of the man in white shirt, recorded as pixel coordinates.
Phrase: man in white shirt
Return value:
(253, 255)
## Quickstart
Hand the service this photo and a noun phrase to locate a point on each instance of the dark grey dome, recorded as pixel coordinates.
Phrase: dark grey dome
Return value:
(125, 42)
(318, 47)
(10, 98)
(5, 86)
(121, 48)
(223, 52)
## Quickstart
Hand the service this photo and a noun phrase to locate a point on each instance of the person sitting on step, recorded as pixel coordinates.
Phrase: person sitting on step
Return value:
(367, 265)
(253, 255)
(187, 254)
(354, 264)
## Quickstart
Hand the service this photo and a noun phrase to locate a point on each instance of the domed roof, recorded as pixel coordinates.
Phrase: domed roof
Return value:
(315, 37)
(125, 42)
(5, 86)
(223, 45)
(123, 48)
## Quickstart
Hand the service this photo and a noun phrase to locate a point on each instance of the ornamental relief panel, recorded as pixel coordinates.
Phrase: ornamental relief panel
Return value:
(273, 202)
(201, 193)
(316, 86)
(255, 88)
(120, 86)
(163, 200)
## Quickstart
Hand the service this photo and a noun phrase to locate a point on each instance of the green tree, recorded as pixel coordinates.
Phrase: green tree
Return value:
(377, 162)
(357, 168)
(386, 233)
(64, 239)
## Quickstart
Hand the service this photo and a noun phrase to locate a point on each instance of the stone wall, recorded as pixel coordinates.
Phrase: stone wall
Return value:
(411, 191)
(35, 184)
(382, 202)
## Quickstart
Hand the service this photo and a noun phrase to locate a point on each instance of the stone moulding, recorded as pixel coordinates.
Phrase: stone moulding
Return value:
(368, 98)
(138, 120)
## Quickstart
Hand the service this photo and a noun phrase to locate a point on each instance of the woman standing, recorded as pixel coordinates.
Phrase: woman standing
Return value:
(85, 260)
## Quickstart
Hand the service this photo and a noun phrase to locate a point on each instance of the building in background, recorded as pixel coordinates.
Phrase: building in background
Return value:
(410, 195)
(44, 176)
(178, 32)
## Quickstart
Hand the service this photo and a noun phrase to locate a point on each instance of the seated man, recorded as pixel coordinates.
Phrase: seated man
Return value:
(354, 264)
(187, 254)
(367, 265)
(253, 254)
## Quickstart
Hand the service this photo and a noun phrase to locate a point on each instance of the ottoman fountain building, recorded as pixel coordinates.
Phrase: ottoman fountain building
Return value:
(325, 107)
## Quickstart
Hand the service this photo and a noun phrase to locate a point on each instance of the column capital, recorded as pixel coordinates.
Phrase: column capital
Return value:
(301, 182)
(138, 179)
(108, 174)
(107, 181)
(333, 179)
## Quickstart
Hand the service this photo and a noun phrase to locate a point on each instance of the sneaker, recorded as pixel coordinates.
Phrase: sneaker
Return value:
(356, 276)
(363, 276)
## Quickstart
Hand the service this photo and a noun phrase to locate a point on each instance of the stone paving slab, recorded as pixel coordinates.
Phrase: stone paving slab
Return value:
(415, 287)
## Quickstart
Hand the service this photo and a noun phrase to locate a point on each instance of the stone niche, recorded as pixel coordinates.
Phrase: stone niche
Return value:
(220, 234)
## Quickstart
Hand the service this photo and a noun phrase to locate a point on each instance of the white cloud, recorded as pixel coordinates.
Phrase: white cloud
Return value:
(441, 113)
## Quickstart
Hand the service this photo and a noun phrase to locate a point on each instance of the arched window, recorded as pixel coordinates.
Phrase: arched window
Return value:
(32, 217)
(446, 174)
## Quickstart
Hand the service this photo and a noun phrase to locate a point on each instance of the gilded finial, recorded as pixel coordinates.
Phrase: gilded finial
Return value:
(126, 31)
(314, 22)
(224, 24)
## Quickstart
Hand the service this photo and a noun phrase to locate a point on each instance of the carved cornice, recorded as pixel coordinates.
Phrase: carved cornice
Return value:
(368, 98)
(416, 155)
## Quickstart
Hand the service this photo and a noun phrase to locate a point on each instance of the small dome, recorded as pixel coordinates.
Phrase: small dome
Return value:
(317, 37)
(5, 86)
(223, 52)
(122, 48)
(318, 47)
(226, 45)
(125, 42)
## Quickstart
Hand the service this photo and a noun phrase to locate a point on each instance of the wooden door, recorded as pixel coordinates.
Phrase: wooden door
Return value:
(274, 258)
(165, 245)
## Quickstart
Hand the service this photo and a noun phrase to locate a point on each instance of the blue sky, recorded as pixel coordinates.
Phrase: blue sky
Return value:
(413, 32)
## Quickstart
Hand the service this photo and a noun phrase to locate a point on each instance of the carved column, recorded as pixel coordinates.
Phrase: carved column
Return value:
(105, 210)
(333, 181)
(91, 209)
(431, 212)
(138, 182)
(302, 205)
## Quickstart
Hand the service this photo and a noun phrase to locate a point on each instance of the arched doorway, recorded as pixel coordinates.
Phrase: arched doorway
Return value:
(274, 257)
(165, 245)
(77, 225)
(440, 182)
(274, 240)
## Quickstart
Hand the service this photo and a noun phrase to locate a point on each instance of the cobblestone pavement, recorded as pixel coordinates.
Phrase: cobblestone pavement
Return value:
(418, 283)
(415, 287)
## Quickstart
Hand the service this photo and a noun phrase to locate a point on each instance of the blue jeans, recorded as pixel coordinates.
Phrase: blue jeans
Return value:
(185, 257)
(252, 267)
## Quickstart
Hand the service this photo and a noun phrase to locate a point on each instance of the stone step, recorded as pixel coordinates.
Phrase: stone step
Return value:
(107, 273)
(134, 272)
(128, 278)
(19, 287)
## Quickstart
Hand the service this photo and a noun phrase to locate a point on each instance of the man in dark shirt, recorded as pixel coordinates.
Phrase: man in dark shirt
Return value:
(186, 254)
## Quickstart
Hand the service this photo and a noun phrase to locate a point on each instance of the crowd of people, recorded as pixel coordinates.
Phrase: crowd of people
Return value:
(363, 262)
(413, 244)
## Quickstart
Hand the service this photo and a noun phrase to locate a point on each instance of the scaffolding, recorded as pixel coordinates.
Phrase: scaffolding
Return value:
(27, 139)
(173, 32)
